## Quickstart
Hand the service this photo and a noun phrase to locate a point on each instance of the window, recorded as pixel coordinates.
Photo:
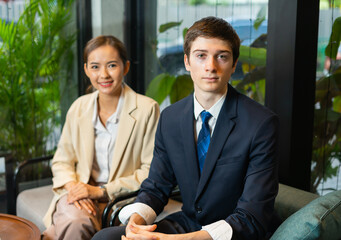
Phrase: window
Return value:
(248, 17)
(326, 175)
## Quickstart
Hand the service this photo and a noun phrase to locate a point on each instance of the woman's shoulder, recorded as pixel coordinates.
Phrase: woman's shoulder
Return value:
(82, 103)
(144, 100)
(141, 100)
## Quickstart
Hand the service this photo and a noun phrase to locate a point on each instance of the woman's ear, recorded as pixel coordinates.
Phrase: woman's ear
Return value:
(86, 70)
(126, 68)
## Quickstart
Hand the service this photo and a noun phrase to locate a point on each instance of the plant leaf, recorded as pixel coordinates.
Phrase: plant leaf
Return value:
(254, 56)
(184, 32)
(169, 25)
(337, 104)
(334, 39)
(160, 87)
(182, 87)
(260, 18)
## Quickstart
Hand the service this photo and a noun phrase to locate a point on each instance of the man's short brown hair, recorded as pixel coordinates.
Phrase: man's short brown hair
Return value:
(213, 27)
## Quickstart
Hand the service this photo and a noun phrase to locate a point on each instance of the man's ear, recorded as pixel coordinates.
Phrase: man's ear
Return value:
(126, 68)
(186, 61)
(235, 65)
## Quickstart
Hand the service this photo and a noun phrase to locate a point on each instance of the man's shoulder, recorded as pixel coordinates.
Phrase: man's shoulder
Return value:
(251, 107)
(179, 106)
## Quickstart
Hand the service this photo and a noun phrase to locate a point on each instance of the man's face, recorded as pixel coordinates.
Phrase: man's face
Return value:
(210, 64)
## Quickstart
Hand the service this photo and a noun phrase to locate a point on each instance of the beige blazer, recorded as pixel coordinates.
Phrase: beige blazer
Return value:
(133, 149)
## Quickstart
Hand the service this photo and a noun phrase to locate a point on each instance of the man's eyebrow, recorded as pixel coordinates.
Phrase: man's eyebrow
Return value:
(200, 50)
(220, 51)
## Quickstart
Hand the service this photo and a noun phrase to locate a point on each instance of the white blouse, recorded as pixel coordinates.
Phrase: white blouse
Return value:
(105, 138)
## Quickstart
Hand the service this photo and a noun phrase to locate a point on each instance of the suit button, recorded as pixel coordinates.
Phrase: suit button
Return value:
(198, 209)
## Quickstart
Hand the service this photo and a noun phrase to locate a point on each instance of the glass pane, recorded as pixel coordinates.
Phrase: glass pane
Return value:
(249, 18)
(326, 174)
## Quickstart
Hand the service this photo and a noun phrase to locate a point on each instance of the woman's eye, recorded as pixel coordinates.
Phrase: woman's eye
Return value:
(94, 67)
(112, 65)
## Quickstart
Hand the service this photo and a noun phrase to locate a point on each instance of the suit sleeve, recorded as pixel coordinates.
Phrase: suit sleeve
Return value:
(254, 211)
(141, 173)
(155, 190)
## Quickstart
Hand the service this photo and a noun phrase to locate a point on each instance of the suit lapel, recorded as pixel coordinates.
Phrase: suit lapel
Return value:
(125, 128)
(222, 130)
(187, 130)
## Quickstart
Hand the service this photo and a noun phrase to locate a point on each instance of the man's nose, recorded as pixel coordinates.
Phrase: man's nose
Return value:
(211, 64)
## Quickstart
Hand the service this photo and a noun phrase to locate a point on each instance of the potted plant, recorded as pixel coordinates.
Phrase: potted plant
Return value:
(35, 56)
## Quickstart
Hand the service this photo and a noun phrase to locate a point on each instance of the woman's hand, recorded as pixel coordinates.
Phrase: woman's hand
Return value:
(86, 204)
(81, 190)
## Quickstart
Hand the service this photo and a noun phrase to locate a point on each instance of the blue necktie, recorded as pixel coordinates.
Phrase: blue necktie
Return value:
(204, 138)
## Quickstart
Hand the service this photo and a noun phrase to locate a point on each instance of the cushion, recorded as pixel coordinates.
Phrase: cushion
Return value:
(320, 219)
(289, 200)
(33, 204)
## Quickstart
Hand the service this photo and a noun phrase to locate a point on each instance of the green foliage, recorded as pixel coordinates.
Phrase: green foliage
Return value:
(165, 84)
(32, 57)
(253, 56)
(334, 40)
(160, 87)
(169, 25)
(327, 117)
(178, 87)
(260, 18)
(184, 31)
(181, 88)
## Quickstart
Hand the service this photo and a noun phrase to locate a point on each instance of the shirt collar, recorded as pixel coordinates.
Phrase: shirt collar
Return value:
(214, 110)
(115, 116)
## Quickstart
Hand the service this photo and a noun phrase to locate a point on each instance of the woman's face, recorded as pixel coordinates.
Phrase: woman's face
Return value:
(106, 70)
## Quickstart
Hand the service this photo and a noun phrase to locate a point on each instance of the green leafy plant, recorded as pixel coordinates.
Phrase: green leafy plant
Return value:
(166, 84)
(35, 56)
(327, 133)
(253, 59)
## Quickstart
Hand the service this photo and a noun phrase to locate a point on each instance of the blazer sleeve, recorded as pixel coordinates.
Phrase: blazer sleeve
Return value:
(64, 160)
(133, 181)
(254, 211)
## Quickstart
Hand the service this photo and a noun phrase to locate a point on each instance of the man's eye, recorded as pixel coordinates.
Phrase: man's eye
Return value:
(200, 55)
(112, 65)
(222, 57)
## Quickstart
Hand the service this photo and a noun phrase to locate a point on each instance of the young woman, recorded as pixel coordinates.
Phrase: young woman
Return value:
(106, 145)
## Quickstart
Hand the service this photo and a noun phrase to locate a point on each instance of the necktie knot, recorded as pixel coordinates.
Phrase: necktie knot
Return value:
(205, 116)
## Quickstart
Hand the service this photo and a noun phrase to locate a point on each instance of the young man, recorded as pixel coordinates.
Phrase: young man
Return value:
(217, 145)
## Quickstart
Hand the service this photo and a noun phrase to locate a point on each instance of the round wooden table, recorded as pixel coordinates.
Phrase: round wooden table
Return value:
(13, 227)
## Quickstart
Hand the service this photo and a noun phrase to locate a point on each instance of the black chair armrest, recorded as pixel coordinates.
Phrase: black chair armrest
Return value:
(124, 199)
(117, 198)
(19, 169)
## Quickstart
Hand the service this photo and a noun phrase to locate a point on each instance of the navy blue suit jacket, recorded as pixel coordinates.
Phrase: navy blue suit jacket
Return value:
(239, 181)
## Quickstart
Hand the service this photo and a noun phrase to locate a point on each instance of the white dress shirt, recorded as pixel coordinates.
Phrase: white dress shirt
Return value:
(219, 230)
(105, 138)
